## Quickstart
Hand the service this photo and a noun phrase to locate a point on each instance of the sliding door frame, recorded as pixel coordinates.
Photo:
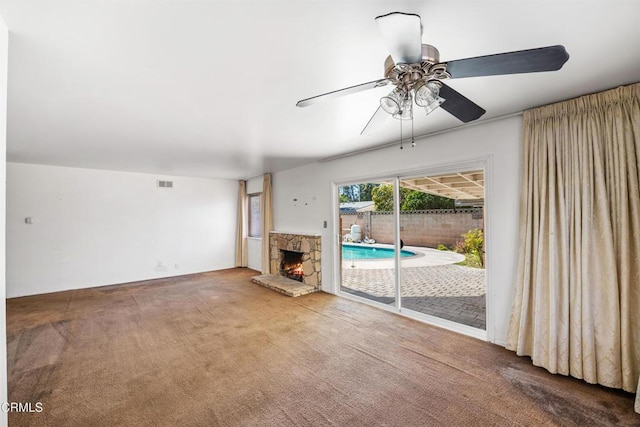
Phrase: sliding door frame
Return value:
(485, 164)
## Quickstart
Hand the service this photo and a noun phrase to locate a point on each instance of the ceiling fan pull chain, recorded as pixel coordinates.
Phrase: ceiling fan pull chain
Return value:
(413, 142)
(400, 132)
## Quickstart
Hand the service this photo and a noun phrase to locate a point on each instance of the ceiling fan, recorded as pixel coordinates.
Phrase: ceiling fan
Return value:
(417, 73)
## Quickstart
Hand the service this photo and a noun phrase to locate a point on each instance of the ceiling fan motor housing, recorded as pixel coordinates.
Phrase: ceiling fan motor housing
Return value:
(405, 76)
(430, 54)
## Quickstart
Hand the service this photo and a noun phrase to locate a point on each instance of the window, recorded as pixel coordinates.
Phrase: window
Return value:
(255, 215)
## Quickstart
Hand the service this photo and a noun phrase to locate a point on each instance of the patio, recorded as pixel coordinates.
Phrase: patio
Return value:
(431, 284)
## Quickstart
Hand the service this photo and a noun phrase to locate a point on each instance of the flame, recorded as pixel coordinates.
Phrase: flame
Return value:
(295, 270)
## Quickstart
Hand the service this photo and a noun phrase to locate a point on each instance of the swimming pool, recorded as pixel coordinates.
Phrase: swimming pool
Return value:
(370, 252)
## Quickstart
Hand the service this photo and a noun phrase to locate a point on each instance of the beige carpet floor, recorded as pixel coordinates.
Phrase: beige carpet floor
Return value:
(214, 349)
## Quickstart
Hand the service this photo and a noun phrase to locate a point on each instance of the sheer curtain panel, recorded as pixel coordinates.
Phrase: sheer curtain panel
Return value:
(267, 222)
(241, 235)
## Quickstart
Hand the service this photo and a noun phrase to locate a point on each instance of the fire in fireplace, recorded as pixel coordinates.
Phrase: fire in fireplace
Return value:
(291, 265)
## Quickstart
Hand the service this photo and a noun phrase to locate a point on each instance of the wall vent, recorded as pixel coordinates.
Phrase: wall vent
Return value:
(165, 184)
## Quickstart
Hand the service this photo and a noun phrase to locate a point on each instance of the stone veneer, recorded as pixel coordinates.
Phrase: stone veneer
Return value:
(308, 244)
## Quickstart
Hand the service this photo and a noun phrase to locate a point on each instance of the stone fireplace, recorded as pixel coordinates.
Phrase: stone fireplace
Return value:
(294, 262)
(296, 256)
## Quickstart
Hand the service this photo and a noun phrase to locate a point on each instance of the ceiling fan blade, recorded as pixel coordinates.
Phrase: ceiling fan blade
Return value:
(402, 33)
(375, 122)
(342, 92)
(550, 58)
(459, 106)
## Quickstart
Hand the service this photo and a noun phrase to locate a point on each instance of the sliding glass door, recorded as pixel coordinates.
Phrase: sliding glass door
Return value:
(367, 240)
(442, 230)
(415, 244)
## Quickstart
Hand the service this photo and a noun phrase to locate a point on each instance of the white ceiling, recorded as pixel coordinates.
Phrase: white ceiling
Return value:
(208, 88)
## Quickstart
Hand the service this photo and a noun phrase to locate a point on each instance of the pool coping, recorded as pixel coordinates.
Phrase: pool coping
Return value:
(422, 258)
(386, 247)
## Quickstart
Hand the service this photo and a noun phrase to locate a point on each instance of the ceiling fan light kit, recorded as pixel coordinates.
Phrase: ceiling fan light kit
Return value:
(427, 95)
(391, 103)
(397, 104)
(416, 72)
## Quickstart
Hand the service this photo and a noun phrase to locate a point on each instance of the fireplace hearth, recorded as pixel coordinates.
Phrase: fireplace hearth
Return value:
(294, 264)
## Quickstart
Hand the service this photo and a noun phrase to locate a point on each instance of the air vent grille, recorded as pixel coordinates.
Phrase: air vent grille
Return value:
(165, 184)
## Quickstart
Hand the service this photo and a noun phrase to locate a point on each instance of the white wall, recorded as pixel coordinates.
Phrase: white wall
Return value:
(95, 227)
(254, 244)
(254, 251)
(4, 56)
(499, 141)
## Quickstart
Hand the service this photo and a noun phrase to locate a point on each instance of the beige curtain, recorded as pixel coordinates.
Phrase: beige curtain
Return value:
(267, 222)
(577, 305)
(241, 236)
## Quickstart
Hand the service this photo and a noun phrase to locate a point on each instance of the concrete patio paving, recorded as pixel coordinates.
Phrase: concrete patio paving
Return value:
(448, 291)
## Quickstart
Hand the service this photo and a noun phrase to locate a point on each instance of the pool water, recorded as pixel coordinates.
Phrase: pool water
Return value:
(368, 252)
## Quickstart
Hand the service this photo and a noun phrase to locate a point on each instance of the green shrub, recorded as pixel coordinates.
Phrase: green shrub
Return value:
(460, 247)
(442, 247)
(473, 248)
(418, 201)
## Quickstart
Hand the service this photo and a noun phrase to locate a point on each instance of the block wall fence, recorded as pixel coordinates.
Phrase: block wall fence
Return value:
(417, 228)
